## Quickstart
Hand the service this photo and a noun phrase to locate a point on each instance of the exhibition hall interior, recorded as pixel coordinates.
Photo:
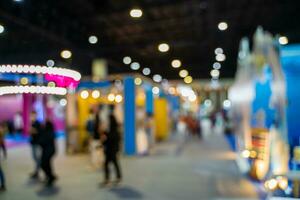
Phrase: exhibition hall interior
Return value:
(149, 99)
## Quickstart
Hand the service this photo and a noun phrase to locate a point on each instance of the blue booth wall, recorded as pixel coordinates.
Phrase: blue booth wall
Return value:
(290, 58)
(261, 102)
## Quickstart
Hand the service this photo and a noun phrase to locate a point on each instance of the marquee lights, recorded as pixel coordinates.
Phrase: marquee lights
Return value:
(32, 90)
(38, 69)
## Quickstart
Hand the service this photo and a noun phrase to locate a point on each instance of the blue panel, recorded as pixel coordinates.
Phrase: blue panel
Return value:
(129, 116)
(261, 102)
(149, 100)
(93, 85)
(290, 58)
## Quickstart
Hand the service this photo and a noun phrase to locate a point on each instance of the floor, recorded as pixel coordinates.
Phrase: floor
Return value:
(190, 170)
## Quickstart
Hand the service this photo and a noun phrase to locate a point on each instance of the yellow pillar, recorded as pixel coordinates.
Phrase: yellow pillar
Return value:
(161, 119)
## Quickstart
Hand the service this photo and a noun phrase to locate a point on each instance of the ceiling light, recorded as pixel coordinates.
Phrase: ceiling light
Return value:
(1, 29)
(176, 63)
(136, 13)
(119, 98)
(157, 78)
(135, 66)
(283, 40)
(222, 26)
(226, 104)
(126, 60)
(66, 54)
(192, 98)
(155, 90)
(24, 81)
(93, 39)
(50, 63)
(220, 57)
(218, 51)
(63, 102)
(111, 97)
(163, 47)
(146, 71)
(138, 81)
(183, 73)
(188, 79)
(215, 73)
(84, 94)
(217, 65)
(95, 94)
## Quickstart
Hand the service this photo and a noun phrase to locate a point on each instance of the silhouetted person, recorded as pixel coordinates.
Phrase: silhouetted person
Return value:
(3, 148)
(35, 132)
(47, 142)
(111, 141)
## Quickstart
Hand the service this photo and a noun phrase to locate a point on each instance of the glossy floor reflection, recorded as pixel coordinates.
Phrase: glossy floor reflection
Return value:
(193, 170)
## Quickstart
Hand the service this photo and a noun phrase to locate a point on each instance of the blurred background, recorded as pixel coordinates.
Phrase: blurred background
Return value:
(191, 99)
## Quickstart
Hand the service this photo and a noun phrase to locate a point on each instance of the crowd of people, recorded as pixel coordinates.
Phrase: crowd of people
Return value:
(104, 132)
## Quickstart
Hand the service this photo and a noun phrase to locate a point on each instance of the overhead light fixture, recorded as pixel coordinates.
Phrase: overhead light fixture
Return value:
(126, 60)
(226, 104)
(155, 90)
(188, 79)
(220, 57)
(84, 94)
(96, 94)
(135, 66)
(215, 73)
(283, 40)
(63, 102)
(50, 63)
(1, 28)
(136, 13)
(138, 81)
(111, 97)
(217, 65)
(183, 73)
(192, 98)
(119, 98)
(157, 78)
(93, 39)
(146, 71)
(222, 26)
(163, 47)
(66, 54)
(219, 51)
(176, 63)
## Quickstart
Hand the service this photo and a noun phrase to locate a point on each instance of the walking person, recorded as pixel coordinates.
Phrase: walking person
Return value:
(47, 142)
(111, 141)
(3, 148)
(35, 132)
(93, 127)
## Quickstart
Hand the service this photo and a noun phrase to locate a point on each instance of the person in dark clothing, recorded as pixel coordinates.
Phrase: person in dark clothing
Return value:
(35, 132)
(94, 130)
(47, 142)
(3, 148)
(111, 142)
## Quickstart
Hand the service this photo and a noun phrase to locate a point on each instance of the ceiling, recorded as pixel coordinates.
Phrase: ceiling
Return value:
(37, 30)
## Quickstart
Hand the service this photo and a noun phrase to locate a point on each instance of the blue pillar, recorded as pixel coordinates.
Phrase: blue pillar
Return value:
(149, 100)
(129, 116)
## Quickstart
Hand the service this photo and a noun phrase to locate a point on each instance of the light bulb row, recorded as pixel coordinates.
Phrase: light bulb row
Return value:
(32, 90)
(38, 69)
